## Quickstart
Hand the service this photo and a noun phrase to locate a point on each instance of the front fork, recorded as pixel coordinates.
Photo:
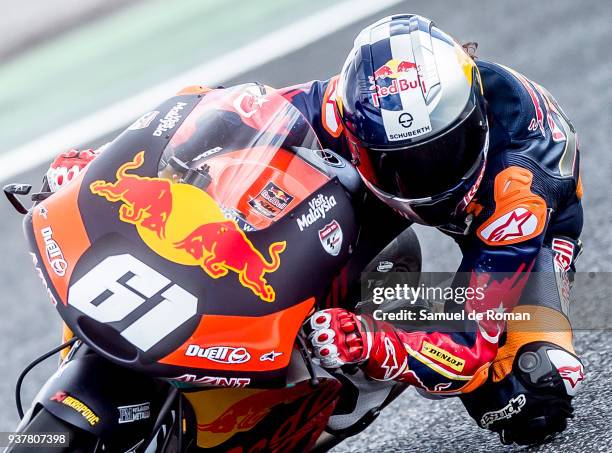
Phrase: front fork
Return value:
(114, 404)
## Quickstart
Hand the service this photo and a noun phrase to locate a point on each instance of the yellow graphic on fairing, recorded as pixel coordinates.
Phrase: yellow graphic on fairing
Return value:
(185, 225)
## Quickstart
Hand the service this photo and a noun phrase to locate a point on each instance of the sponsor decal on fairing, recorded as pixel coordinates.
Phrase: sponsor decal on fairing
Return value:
(219, 354)
(53, 252)
(79, 406)
(250, 101)
(270, 356)
(318, 208)
(42, 278)
(236, 216)
(214, 381)
(271, 200)
(42, 211)
(331, 238)
(134, 412)
(207, 153)
(171, 119)
(144, 121)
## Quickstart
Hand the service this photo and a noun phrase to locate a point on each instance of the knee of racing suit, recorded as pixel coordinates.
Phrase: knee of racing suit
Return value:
(545, 306)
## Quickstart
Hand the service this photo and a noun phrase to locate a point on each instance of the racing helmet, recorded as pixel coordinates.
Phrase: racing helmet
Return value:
(411, 102)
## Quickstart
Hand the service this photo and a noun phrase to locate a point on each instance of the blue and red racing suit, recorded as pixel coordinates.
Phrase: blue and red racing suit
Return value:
(526, 216)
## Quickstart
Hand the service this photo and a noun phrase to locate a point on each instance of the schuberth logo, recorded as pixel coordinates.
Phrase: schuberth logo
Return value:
(405, 120)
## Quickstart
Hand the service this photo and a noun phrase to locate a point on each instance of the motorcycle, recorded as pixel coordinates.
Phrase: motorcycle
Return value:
(183, 262)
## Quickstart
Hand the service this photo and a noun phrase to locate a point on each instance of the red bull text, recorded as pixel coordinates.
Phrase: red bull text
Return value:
(403, 74)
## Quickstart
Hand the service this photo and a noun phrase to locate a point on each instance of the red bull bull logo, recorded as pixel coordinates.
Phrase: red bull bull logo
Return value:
(393, 69)
(222, 246)
(403, 74)
(166, 221)
(146, 201)
(244, 413)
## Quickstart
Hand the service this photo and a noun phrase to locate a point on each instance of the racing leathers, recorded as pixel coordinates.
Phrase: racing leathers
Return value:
(524, 218)
(521, 226)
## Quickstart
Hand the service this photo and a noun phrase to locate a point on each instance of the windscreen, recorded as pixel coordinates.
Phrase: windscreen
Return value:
(251, 150)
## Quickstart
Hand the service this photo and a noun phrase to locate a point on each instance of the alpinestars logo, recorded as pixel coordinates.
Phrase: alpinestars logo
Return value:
(516, 224)
(390, 364)
(318, 208)
(572, 374)
(513, 407)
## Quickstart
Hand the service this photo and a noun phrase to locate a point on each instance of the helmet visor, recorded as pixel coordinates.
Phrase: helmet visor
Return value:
(441, 208)
(429, 168)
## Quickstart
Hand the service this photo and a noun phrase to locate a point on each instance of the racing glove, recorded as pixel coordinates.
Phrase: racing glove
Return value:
(67, 166)
(527, 397)
(338, 337)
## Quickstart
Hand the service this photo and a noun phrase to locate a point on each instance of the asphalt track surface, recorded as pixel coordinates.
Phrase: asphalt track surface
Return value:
(560, 44)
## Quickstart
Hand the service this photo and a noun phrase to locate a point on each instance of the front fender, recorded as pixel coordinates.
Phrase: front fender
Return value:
(102, 398)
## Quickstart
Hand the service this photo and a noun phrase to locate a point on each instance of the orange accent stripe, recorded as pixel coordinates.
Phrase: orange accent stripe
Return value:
(194, 89)
(579, 188)
(66, 335)
(327, 123)
(479, 378)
